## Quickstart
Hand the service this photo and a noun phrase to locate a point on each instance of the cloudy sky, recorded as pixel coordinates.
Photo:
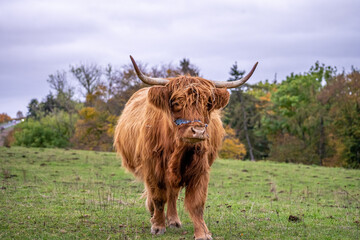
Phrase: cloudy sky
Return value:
(37, 38)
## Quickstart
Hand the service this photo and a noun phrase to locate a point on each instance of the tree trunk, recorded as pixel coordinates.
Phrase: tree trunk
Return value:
(245, 127)
(322, 141)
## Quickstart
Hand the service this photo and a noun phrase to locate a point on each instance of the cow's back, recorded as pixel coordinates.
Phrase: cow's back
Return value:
(128, 129)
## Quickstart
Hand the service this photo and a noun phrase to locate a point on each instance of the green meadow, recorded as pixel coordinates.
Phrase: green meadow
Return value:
(70, 194)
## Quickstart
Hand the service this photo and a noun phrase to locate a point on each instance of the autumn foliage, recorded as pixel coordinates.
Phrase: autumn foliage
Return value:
(232, 148)
(4, 117)
(310, 118)
(94, 130)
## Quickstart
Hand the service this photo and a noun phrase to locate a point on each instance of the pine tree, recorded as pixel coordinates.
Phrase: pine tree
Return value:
(186, 68)
(236, 74)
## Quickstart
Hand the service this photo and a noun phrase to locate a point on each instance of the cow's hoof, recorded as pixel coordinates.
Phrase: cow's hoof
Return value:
(158, 230)
(207, 237)
(175, 224)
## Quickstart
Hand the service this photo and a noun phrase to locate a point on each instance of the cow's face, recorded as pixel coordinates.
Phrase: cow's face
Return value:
(189, 101)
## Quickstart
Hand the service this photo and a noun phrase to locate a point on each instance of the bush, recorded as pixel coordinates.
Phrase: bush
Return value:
(9, 139)
(232, 148)
(51, 131)
(94, 130)
(290, 149)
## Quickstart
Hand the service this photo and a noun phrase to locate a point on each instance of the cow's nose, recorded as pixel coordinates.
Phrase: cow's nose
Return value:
(198, 131)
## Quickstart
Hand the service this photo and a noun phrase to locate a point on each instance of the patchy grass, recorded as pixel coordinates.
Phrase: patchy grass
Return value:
(68, 194)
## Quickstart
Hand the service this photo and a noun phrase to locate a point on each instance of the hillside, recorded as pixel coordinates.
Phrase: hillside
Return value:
(62, 194)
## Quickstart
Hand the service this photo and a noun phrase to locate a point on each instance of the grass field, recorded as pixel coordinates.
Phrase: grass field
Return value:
(68, 194)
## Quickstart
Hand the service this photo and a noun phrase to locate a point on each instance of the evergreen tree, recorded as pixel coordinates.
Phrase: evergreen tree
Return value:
(186, 68)
(33, 109)
(49, 104)
(242, 116)
(235, 73)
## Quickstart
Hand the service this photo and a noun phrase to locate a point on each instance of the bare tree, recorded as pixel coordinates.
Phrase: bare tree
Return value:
(113, 78)
(88, 76)
(58, 81)
(64, 92)
(19, 115)
(165, 71)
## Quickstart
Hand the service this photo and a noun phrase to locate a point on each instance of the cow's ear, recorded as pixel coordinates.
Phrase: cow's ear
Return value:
(221, 98)
(159, 97)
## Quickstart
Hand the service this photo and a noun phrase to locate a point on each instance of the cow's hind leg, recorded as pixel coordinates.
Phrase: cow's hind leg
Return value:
(195, 197)
(171, 213)
(157, 199)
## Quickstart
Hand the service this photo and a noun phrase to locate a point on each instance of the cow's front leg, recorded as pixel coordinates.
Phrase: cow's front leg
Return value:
(157, 194)
(195, 197)
(171, 213)
(149, 203)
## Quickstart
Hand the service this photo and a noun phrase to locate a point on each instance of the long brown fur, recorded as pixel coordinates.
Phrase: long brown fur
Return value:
(151, 147)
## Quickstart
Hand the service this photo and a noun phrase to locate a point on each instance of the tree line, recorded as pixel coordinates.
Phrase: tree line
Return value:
(310, 118)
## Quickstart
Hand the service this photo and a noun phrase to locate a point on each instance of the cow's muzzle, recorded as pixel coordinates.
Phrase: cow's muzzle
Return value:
(194, 134)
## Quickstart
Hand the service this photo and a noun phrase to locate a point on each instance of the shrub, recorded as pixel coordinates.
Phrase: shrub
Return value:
(50, 131)
(94, 130)
(232, 148)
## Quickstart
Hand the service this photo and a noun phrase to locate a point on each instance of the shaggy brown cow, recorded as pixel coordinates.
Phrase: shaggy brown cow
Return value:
(168, 136)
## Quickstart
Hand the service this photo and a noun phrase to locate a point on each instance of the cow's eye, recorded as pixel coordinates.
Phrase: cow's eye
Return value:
(209, 104)
(176, 106)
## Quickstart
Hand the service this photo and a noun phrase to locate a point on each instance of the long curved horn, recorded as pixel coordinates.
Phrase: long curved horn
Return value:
(237, 83)
(145, 79)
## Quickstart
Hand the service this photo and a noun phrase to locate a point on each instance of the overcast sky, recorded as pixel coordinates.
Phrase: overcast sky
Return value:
(37, 38)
